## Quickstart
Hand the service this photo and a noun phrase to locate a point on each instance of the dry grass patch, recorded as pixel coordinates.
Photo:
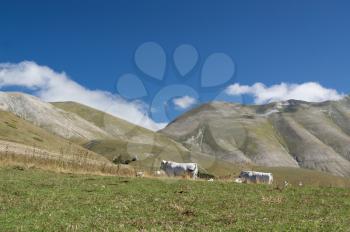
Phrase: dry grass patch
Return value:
(13, 154)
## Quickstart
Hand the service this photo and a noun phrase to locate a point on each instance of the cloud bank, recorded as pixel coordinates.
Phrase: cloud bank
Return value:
(184, 102)
(51, 86)
(309, 91)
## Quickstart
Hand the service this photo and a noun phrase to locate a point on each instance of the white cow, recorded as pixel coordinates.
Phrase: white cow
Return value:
(179, 169)
(256, 177)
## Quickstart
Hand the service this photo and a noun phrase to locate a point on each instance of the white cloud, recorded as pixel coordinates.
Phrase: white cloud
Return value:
(309, 91)
(51, 86)
(184, 102)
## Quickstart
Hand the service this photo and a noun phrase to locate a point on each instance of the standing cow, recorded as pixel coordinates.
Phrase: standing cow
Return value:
(256, 177)
(179, 169)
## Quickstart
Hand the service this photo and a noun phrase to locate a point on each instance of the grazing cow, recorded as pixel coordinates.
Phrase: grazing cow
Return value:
(256, 177)
(179, 169)
(211, 180)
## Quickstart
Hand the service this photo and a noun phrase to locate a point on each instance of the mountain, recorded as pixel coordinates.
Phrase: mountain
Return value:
(50, 118)
(282, 134)
(23, 142)
(15, 129)
(127, 140)
(95, 130)
(31, 134)
(223, 138)
(113, 126)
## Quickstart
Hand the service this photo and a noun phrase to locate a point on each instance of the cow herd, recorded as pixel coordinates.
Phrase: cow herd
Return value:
(174, 169)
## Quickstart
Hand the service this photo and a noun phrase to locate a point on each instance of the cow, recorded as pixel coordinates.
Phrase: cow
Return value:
(256, 177)
(179, 169)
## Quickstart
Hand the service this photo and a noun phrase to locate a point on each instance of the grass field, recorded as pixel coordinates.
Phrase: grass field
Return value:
(35, 200)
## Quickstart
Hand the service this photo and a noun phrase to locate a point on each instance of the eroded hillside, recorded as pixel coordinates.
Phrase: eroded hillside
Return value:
(287, 134)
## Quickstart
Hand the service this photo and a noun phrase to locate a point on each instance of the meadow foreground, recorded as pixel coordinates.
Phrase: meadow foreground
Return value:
(35, 200)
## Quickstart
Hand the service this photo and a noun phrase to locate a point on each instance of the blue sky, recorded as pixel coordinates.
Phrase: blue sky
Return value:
(94, 42)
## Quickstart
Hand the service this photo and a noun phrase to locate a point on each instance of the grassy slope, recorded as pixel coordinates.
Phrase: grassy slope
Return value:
(33, 200)
(15, 129)
(103, 120)
(129, 140)
(120, 129)
(32, 146)
(115, 147)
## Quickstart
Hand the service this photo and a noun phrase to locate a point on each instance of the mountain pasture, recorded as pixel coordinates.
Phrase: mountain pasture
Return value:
(35, 200)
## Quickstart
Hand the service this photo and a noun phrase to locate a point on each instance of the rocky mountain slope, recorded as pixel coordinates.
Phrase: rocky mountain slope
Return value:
(287, 134)
(50, 118)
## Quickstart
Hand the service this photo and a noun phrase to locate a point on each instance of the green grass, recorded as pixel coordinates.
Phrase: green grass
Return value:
(33, 200)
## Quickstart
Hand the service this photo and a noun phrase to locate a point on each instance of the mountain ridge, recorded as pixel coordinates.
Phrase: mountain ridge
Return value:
(294, 134)
(288, 133)
(45, 115)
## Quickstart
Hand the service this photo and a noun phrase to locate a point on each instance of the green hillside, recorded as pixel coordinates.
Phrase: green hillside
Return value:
(114, 126)
(128, 140)
(15, 129)
(50, 118)
(23, 144)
